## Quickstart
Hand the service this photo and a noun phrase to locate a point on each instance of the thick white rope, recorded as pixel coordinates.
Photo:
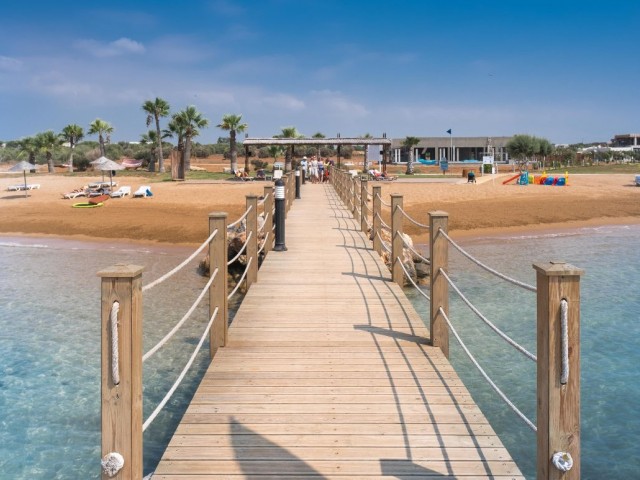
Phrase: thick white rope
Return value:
(564, 327)
(382, 201)
(261, 202)
(503, 335)
(176, 384)
(241, 251)
(383, 243)
(244, 215)
(421, 225)
(486, 377)
(488, 269)
(193, 255)
(161, 343)
(382, 222)
(246, 270)
(112, 463)
(415, 252)
(411, 280)
(266, 216)
(115, 369)
(562, 461)
(264, 242)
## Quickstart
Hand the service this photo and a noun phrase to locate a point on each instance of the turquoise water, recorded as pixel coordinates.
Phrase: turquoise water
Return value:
(610, 340)
(50, 347)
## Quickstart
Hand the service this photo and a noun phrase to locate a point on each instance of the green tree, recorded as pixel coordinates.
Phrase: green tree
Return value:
(103, 130)
(275, 151)
(151, 138)
(288, 132)
(232, 123)
(29, 146)
(190, 121)
(155, 110)
(409, 143)
(523, 148)
(72, 134)
(365, 162)
(47, 142)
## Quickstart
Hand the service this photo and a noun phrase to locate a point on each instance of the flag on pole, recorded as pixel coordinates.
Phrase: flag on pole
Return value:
(449, 131)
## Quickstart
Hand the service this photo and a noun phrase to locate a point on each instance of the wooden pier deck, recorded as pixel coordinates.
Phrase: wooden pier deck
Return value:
(328, 374)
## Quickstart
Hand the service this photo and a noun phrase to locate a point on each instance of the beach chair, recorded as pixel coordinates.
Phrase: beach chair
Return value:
(143, 191)
(121, 192)
(78, 192)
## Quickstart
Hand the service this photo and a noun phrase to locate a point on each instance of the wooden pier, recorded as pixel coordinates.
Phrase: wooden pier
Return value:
(328, 373)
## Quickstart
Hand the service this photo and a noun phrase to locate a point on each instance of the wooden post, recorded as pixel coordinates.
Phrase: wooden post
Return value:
(558, 414)
(268, 215)
(377, 204)
(252, 245)
(122, 403)
(439, 249)
(354, 187)
(218, 289)
(397, 246)
(364, 205)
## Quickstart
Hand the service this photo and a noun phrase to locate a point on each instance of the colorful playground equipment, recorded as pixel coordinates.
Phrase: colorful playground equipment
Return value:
(524, 178)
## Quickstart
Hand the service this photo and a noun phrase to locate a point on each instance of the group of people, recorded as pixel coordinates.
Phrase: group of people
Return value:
(316, 169)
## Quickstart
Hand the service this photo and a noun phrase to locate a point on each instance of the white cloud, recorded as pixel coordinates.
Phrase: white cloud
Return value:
(121, 46)
(336, 102)
(10, 64)
(227, 8)
(283, 101)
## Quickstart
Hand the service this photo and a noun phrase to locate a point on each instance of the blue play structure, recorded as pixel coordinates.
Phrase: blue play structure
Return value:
(426, 162)
(524, 178)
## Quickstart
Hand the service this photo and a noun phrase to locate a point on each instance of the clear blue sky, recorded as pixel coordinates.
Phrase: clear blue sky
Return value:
(565, 70)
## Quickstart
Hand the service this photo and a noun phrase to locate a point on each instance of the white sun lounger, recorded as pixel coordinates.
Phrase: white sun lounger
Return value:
(143, 191)
(103, 184)
(80, 192)
(121, 192)
(17, 188)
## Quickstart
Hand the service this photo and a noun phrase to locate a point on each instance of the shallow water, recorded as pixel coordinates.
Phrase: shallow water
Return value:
(610, 340)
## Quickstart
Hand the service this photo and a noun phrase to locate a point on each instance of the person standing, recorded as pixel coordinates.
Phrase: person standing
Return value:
(321, 169)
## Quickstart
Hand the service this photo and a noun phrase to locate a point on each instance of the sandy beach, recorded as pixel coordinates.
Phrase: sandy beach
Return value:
(177, 212)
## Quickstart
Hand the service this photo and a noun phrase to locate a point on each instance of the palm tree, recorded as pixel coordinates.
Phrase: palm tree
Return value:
(409, 143)
(176, 129)
(155, 109)
(103, 130)
(47, 142)
(151, 137)
(274, 152)
(288, 132)
(365, 162)
(29, 145)
(232, 123)
(189, 121)
(72, 133)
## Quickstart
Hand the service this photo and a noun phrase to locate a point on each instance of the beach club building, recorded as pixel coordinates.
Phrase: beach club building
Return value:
(453, 149)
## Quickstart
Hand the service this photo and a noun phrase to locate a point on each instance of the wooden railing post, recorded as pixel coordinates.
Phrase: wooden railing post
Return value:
(122, 402)
(558, 414)
(364, 205)
(218, 289)
(397, 246)
(439, 249)
(268, 215)
(377, 204)
(252, 245)
(354, 195)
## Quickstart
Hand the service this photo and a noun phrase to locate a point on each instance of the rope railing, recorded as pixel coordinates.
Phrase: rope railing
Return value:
(178, 381)
(246, 270)
(264, 243)
(383, 243)
(564, 332)
(415, 222)
(264, 199)
(404, 269)
(186, 316)
(383, 202)
(244, 215)
(503, 335)
(115, 353)
(384, 225)
(414, 251)
(484, 374)
(179, 267)
(241, 251)
(485, 267)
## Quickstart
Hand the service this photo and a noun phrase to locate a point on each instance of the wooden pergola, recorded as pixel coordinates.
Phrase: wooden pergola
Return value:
(335, 141)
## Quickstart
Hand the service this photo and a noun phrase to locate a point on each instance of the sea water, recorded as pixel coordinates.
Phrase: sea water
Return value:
(610, 340)
(50, 346)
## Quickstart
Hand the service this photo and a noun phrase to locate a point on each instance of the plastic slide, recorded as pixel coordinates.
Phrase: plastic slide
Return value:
(511, 179)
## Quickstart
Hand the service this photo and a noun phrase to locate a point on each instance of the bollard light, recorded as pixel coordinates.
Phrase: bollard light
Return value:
(279, 196)
(298, 181)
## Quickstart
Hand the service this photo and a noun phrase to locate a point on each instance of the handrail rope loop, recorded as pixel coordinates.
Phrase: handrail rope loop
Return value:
(421, 225)
(484, 374)
(176, 384)
(414, 251)
(383, 243)
(244, 215)
(241, 251)
(504, 336)
(369, 224)
(382, 222)
(246, 270)
(414, 283)
(261, 202)
(115, 354)
(564, 328)
(487, 268)
(264, 242)
(193, 255)
(382, 201)
(177, 326)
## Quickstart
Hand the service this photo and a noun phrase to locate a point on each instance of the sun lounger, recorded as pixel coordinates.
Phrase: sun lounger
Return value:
(143, 191)
(121, 192)
(17, 188)
(79, 192)
(103, 184)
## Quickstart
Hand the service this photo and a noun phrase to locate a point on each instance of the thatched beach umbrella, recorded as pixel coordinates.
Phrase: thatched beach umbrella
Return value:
(104, 164)
(23, 166)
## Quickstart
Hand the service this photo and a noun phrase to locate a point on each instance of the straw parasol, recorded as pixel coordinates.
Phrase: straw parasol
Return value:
(106, 164)
(23, 166)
